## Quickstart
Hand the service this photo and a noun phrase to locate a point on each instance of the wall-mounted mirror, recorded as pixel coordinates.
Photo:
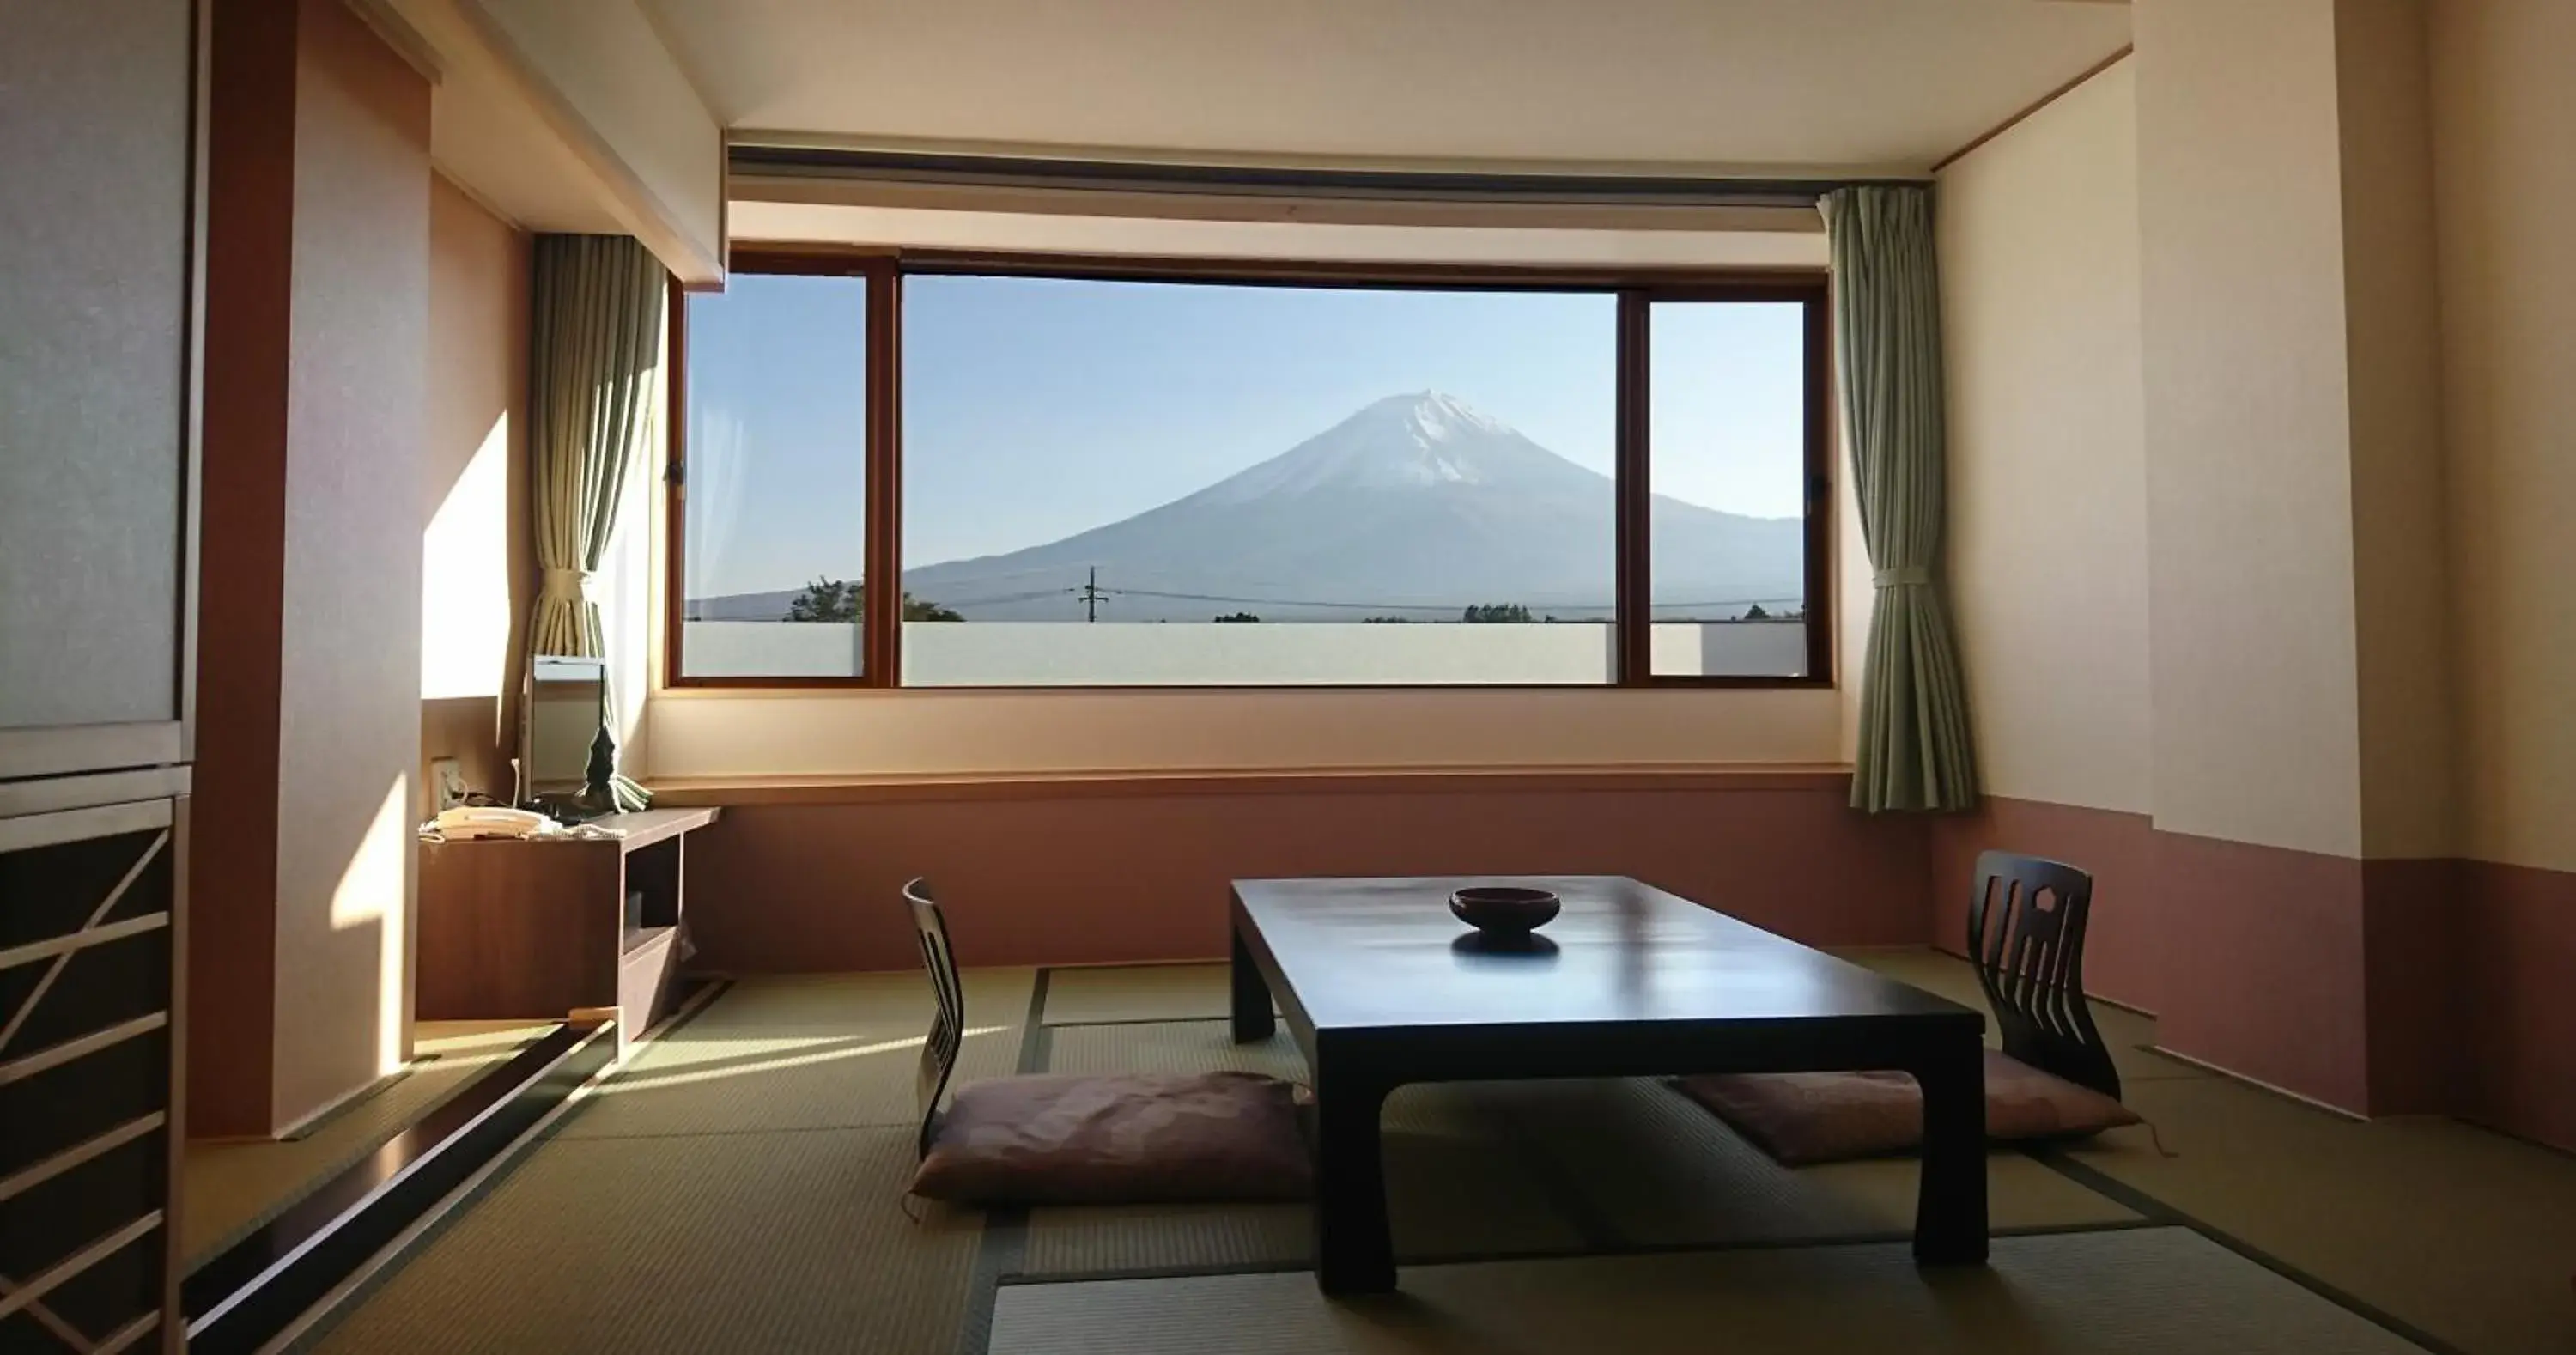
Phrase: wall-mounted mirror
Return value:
(565, 703)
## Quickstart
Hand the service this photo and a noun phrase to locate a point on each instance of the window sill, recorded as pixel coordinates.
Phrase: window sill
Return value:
(702, 689)
(784, 790)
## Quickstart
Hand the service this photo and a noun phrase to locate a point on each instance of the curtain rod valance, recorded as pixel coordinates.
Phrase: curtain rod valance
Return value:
(1145, 176)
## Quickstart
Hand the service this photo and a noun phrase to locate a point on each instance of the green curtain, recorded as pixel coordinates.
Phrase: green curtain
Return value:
(594, 387)
(1915, 749)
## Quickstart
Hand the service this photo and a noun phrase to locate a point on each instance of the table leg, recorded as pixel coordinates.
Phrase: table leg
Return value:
(1354, 1252)
(1950, 1214)
(1252, 1016)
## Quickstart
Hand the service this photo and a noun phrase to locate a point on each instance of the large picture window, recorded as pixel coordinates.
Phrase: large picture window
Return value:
(1117, 476)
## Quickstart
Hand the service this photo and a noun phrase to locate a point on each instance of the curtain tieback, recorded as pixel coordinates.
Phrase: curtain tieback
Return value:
(1908, 576)
(566, 585)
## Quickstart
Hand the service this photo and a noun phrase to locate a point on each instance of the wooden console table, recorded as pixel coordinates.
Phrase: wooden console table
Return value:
(539, 928)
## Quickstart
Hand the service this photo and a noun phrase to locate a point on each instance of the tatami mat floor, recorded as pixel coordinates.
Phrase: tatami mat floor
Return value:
(2142, 1292)
(738, 1185)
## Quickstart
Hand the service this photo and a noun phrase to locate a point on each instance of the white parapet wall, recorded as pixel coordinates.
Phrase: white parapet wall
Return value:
(768, 649)
(1180, 654)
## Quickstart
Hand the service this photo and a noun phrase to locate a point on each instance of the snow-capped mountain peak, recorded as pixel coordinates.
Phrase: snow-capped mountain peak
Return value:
(1420, 440)
(1432, 417)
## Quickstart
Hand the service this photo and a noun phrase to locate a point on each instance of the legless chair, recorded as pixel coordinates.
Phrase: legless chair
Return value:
(2053, 1079)
(1113, 1138)
(948, 1022)
(2026, 936)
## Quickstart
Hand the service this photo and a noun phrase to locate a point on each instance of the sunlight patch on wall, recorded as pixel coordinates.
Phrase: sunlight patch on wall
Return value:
(370, 895)
(465, 578)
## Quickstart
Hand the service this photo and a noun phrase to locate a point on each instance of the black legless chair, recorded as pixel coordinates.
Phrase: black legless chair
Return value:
(948, 1023)
(2026, 937)
(1091, 1139)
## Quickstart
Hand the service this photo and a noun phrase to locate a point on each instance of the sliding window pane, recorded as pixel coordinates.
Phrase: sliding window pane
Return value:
(1727, 467)
(1181, 483)
(774, 532)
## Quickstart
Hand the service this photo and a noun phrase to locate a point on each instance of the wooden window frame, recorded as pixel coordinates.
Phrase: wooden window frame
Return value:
(1636, 291)
(880, 630)
(1810, 291)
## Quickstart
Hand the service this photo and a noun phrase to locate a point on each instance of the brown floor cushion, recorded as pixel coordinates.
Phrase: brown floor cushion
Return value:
(1802, 1118)
(1121, 1138)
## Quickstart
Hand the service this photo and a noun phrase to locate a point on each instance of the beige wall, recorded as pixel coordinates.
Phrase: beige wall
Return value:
(627, 108)
(2297, 544)
(2248, 438)
(350, 665)
(2048, 521)
(2506, 199)
(475, 555)
(2041, 264)
(701, 733)
(2392, 331)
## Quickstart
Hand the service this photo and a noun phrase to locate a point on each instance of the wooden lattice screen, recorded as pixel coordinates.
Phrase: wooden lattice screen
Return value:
(86, 907)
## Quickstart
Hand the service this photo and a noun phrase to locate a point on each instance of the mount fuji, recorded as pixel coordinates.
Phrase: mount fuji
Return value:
(1414, 506)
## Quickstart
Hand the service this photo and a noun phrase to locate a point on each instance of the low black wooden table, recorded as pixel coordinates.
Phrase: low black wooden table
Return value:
(1382, 987)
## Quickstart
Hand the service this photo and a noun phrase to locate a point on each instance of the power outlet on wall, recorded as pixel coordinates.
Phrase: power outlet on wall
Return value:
(448, 780)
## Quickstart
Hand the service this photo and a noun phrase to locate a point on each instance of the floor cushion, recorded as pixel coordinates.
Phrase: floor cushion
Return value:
(1802, 1118)
(1120, 1138)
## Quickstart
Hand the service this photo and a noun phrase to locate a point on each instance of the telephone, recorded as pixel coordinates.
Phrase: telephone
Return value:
(472, 821)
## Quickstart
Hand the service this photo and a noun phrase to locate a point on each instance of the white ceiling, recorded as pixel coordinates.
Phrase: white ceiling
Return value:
(1709, 85)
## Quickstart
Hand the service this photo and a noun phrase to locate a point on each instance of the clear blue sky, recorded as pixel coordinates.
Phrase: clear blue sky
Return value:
(1037, 408)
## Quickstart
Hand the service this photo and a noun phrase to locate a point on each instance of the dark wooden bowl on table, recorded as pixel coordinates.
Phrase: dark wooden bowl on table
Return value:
(1504, 910)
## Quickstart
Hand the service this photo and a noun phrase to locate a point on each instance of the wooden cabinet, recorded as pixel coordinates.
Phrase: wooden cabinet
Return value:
(543, 927)
(89, 913)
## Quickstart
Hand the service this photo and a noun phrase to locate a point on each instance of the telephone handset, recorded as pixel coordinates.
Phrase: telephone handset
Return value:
(473, 821)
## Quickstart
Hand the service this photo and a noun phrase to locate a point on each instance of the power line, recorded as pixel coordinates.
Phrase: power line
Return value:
(958, 579)
(1428, 606)
(1091, 594)
(1000, 598)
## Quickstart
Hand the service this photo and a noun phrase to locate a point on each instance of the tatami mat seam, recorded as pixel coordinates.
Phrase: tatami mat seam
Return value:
(693, 1006)
(2193, 1068)
(1022, 1277)
(1584, 1253)
(1130, 1021)
(2111, 1187)
(381, 1086)
(1562, 1191)
(313, 1337)
(690, 998)
(350, 1156)
(1004, 1247)
(1035, 1044)
(652, 1135)
(520, 1152)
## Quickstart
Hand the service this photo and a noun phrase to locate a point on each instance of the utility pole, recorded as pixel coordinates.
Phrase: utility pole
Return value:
(1091, 596)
